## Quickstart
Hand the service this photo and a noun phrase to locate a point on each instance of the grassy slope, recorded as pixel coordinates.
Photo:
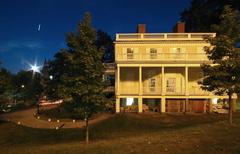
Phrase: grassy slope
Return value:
(129, 134)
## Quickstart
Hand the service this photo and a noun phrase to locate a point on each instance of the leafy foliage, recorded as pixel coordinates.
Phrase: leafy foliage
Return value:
(104, 42)
(5, 80)
(203, 13)
(223, 76)
(78, 70)
(60, 65)
(27, 86)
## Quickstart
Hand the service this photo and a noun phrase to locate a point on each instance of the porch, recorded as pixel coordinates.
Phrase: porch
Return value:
(163, 105)
(159, 81)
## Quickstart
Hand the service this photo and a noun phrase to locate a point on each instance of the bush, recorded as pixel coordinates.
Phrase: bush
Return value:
(63, 111)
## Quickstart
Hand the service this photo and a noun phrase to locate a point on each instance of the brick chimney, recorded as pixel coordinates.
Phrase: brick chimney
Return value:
(179, 27)
(141, 28)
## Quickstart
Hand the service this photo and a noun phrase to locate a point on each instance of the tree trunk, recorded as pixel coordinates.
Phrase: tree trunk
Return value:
(230, 108)
(38, 112)
(87, 133)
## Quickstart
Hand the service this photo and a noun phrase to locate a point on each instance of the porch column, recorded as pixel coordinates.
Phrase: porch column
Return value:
(118, 80)
(186, 81)
(234, 102)
(140, 80)
(163, 82)
(140, 105)
(205, 106)
(117, 105)
(210, 105)
(234, 105)
(185, 105)
(163, 105)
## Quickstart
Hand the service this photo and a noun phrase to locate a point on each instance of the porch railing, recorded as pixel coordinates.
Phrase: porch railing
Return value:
(163, 57)
(197, 91)
(162, 36)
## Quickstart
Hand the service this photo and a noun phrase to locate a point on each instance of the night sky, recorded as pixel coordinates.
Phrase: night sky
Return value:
(22, 43)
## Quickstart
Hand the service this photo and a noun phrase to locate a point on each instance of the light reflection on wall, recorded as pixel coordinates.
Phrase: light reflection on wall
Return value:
(214, 100)
(130, 101)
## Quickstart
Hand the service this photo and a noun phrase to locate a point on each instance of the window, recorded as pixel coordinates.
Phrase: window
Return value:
(153, 53)
(171, 84)
(129, 101)
(177, 50)
(152, 84)
(130, 53)
(177, 53)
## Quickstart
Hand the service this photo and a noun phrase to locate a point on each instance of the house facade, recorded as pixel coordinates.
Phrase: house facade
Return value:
(160, 72)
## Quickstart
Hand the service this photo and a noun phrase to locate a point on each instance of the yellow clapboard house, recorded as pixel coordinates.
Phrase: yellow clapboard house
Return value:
(160, 71)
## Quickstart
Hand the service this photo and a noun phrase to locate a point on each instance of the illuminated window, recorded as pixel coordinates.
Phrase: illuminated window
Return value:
(177, 53)
(130, 101)
(130, 53)
(153, 53)
(177, 50)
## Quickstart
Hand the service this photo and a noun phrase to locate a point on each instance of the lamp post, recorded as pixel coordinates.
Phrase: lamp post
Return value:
(50, 77)
(23, 97)
(35, 68)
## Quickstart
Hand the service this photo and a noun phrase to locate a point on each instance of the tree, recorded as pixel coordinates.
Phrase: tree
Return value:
(27, 86)
(4, 80)
(5, 83)
(56, 69)
(79, 71)
(47, 80)
(223, 76)
(105, 43)
(203, 13)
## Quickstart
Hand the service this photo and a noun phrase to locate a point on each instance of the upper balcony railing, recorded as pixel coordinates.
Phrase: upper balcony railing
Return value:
(162, 36)
(163, 57)
(197, 91)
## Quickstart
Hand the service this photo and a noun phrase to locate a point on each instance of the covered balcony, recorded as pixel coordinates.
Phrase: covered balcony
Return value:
(157, 81)
(194, 76)
(164, 57)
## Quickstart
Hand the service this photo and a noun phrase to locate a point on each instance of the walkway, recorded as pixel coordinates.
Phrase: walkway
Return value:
(27, 118)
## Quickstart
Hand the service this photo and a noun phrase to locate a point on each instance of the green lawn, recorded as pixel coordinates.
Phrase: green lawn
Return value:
(130, 133)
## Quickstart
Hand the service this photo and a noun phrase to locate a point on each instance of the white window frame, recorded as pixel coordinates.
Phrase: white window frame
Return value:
(153, 53)
(130, 53)
(177, 53)
(171, 85)
(152, 84)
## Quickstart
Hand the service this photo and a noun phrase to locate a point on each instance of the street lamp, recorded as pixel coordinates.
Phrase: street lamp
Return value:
(50, 77)
(35, 68)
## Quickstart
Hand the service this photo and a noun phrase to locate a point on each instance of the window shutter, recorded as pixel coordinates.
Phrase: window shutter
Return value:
(135, 53)
(147, 55)
(178, 84)
(172, 50)
(172, 54)
(201, 53)
(200, 50)
(183, 53)
(183, 50)
(159, 53)
(124, 53)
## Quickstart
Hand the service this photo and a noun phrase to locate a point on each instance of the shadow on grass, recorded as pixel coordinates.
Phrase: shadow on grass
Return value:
(127, 125)
(123, 125)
